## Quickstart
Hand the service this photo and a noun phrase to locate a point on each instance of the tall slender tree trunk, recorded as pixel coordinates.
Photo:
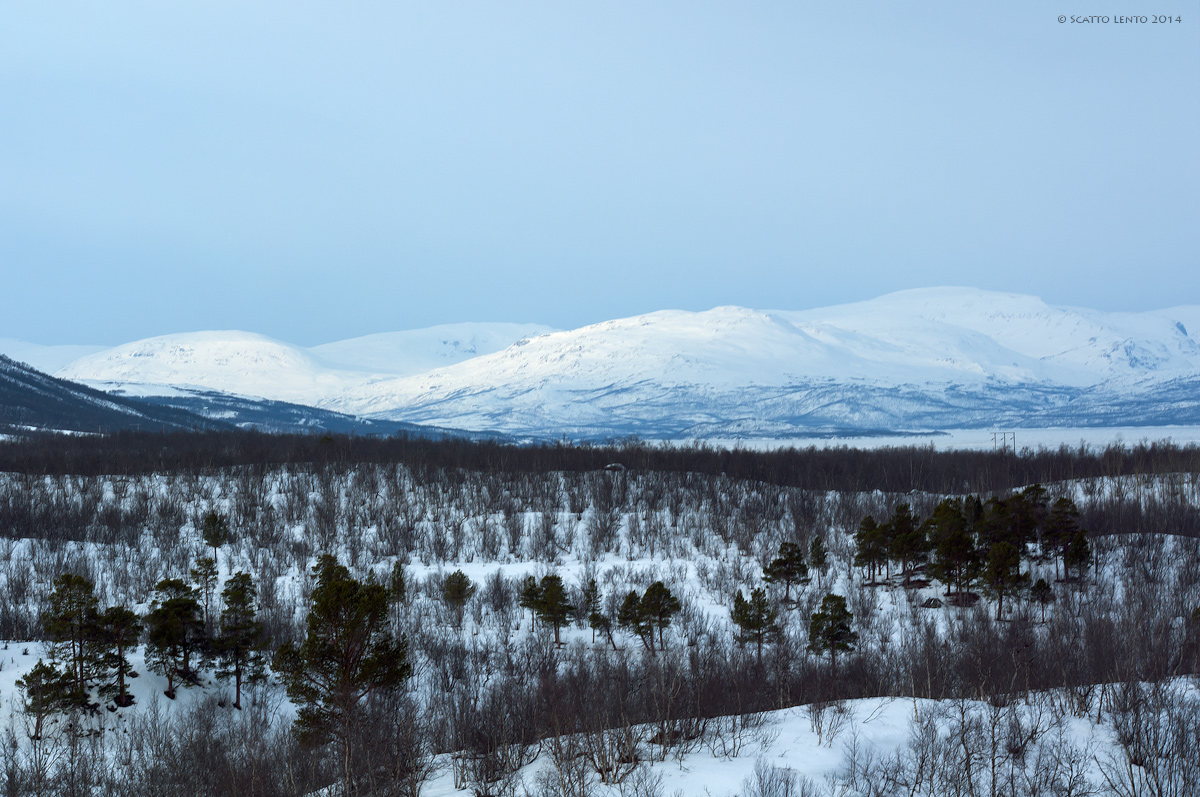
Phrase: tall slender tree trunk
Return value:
(237, 679)
(121, 673)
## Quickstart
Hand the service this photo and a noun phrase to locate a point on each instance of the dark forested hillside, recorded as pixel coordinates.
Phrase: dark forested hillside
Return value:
(32, 400)
(282, 417)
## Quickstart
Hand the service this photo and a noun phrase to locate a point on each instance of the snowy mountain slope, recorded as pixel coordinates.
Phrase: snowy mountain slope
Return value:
(942, 358)
(229, 361)
(918, 359)
(417, 350)
(243, 363)
(1091, 344)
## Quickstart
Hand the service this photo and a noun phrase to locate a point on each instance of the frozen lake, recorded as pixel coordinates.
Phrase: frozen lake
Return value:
(984, 439)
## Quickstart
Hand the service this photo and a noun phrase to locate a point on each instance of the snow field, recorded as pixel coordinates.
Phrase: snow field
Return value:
(680, 531)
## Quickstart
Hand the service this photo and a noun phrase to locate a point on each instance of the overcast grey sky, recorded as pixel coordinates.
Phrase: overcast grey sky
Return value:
(318, 171)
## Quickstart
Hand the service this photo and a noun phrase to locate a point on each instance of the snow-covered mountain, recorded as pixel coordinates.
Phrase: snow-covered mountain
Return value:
(418, 350)
(228, 361)
(248, 364)
(923, 359)
(913, 360)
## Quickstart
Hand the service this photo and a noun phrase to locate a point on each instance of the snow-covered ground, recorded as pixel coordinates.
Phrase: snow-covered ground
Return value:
(672, 531)
(844, 748)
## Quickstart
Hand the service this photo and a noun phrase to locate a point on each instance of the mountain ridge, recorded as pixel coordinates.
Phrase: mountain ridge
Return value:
(916, 359)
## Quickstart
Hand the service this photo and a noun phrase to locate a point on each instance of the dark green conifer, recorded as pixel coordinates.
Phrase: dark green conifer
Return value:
(70, 621)
(633, 616)
(1078, 555)
(910, 542)
(348, 656)
(870, 546)
(214, 530)
(553, 607)
(1062, 523)
(242, 638)
(119, 628)
(204, 574)
(45, 691)
(456, 591)
(829, 629)
(788, 568)
(1043, 594)
(1003, 574)
(659, 606)
(174, 632)
(756, 618)
(955, 560)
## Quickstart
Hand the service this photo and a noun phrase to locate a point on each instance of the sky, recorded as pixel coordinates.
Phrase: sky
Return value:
(318, 171)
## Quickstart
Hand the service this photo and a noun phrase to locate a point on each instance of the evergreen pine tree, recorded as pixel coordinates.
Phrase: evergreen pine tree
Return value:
(70, 623)
(456, 591)
(242, 637)
(174, 631)
(553, 607)
(348, 656)
(398, 584)
(1029, 514)
(788, 567)
(1061, 526)
(591, 602)
(1043, 594)
(397, 593)
(531, 595)
(45, 691)
(818, 556)
(829, 629)
(659, 606)
(214, 530)
(870, 546)
(1003, 574)
(119, 628)
(756, 618)
(955, 560)
(1077, 555)
(204, 574)
(996, 525)
(633, 616)
(887, 535)
(910, 542)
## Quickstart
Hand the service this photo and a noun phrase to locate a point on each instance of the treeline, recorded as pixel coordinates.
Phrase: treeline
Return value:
(895, 469)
